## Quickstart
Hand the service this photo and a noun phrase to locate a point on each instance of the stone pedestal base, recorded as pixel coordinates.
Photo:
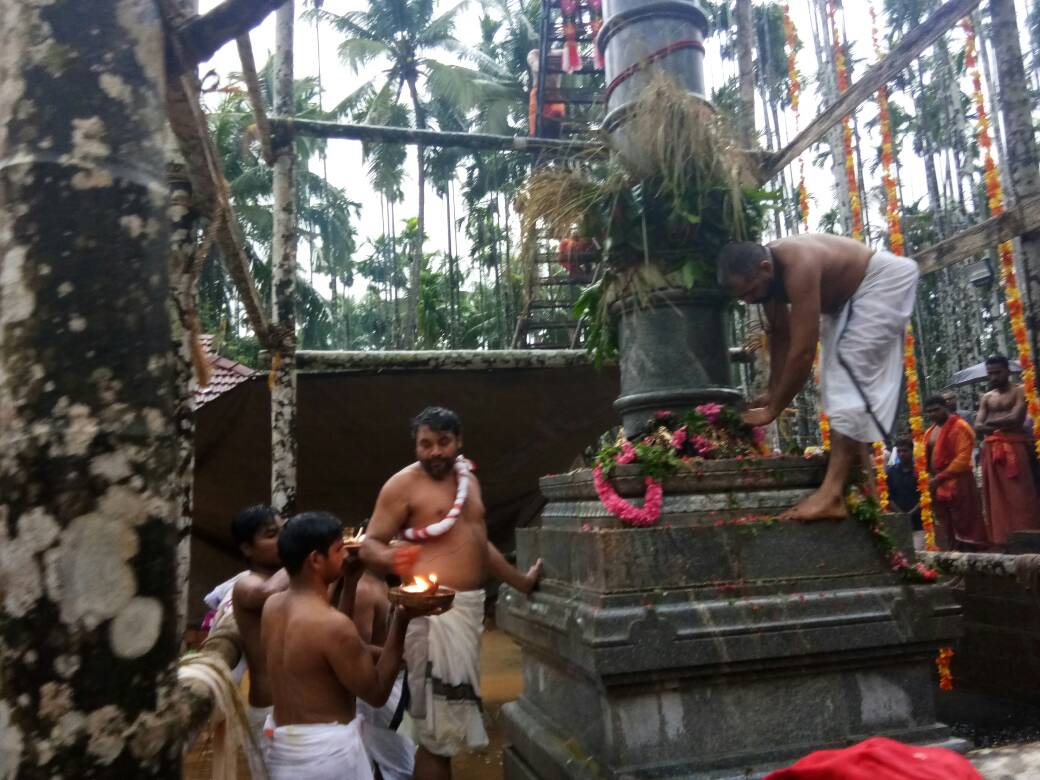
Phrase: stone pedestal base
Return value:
(714, 644)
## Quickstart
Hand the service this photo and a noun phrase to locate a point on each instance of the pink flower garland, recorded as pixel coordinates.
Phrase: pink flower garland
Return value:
(641, 517)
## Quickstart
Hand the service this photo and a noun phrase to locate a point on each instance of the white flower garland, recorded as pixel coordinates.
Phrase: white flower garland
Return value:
(441, 527)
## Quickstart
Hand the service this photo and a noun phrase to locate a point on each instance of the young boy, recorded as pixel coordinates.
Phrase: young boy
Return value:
(255, 531)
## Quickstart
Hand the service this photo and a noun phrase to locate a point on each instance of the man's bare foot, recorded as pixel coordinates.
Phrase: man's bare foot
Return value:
(818, 506)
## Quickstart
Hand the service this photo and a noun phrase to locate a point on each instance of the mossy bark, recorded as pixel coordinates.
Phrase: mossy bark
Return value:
(88, 520)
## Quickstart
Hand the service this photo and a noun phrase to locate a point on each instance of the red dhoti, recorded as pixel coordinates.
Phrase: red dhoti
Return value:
(959, 524)
(1008, 488)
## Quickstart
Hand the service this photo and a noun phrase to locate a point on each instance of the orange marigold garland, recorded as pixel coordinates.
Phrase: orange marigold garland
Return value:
(895, 229)
(942, 662)
(794, 91)
(995, 195)
(841, 66)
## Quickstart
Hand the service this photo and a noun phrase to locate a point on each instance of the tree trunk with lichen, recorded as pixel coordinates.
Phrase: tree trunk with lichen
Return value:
(283, 256)
(88, 521)
(182, 220)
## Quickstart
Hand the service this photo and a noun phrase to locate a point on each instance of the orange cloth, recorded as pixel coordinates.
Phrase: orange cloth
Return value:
(1008, 488)
(959, 520)
(555, 111)
(951, 454)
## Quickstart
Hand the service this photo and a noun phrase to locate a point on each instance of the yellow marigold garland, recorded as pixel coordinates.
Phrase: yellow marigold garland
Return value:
(995, 195)
(825, 423)
(917, 429)
(897, 245)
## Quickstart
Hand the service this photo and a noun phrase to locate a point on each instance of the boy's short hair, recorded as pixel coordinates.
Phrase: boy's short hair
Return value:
(250, 520)
(306, 533)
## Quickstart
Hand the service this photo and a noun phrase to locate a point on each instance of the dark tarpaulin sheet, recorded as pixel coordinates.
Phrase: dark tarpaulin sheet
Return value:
(352, 434)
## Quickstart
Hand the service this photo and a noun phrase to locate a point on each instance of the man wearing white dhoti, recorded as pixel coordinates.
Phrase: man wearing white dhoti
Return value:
(317, 663)
(856, 302)
(436, 502)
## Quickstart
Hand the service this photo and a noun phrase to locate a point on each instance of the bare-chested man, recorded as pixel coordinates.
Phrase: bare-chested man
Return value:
(255, 530)
(856, 302)
(317, 662)
(442, 653)
(1009, 491)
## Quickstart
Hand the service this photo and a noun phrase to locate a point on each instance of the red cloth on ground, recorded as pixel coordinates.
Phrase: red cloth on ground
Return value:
(958, 512)
(1008, 488)
(879, 758)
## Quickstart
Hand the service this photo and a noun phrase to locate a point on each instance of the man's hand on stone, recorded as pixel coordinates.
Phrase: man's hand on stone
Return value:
(758, 416)
(404, 559)
(531, 578)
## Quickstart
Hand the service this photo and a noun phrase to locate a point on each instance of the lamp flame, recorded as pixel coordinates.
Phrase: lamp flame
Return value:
(422, 585)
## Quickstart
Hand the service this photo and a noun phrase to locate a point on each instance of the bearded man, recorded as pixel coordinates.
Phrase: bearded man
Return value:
(436, 503)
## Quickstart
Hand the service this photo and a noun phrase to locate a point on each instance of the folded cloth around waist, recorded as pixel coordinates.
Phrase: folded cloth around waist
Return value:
(867, 335)
(393, 753)
(254, 745)
(316, 751)
(442, 653)
(1000, 447)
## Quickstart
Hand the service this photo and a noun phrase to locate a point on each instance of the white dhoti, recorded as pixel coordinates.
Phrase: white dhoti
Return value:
(867, 335)
(316, 751)
(392, 752)
(254, 745)
(442, 654)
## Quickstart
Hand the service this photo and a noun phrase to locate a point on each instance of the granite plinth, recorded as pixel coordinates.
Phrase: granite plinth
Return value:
(717, 643)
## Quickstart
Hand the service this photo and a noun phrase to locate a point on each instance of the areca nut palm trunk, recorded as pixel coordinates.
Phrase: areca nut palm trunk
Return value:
(1022, 155)
(411, 321)
(746, 68)
(88, 521)
(283, 259)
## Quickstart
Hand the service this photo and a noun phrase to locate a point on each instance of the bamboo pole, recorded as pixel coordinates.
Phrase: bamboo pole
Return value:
(283, 277)
(1023, 217)
(879, 74)
(201, 36)
(256, 98)
(209, 190)
(437, 138)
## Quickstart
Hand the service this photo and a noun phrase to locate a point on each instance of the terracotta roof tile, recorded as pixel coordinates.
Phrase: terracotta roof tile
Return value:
(225, 374)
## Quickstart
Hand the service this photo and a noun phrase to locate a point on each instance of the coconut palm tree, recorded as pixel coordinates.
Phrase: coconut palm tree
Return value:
(411, 45)
(324, 215)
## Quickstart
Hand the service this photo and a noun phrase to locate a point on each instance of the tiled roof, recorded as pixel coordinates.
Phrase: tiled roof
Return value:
(224, 374)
